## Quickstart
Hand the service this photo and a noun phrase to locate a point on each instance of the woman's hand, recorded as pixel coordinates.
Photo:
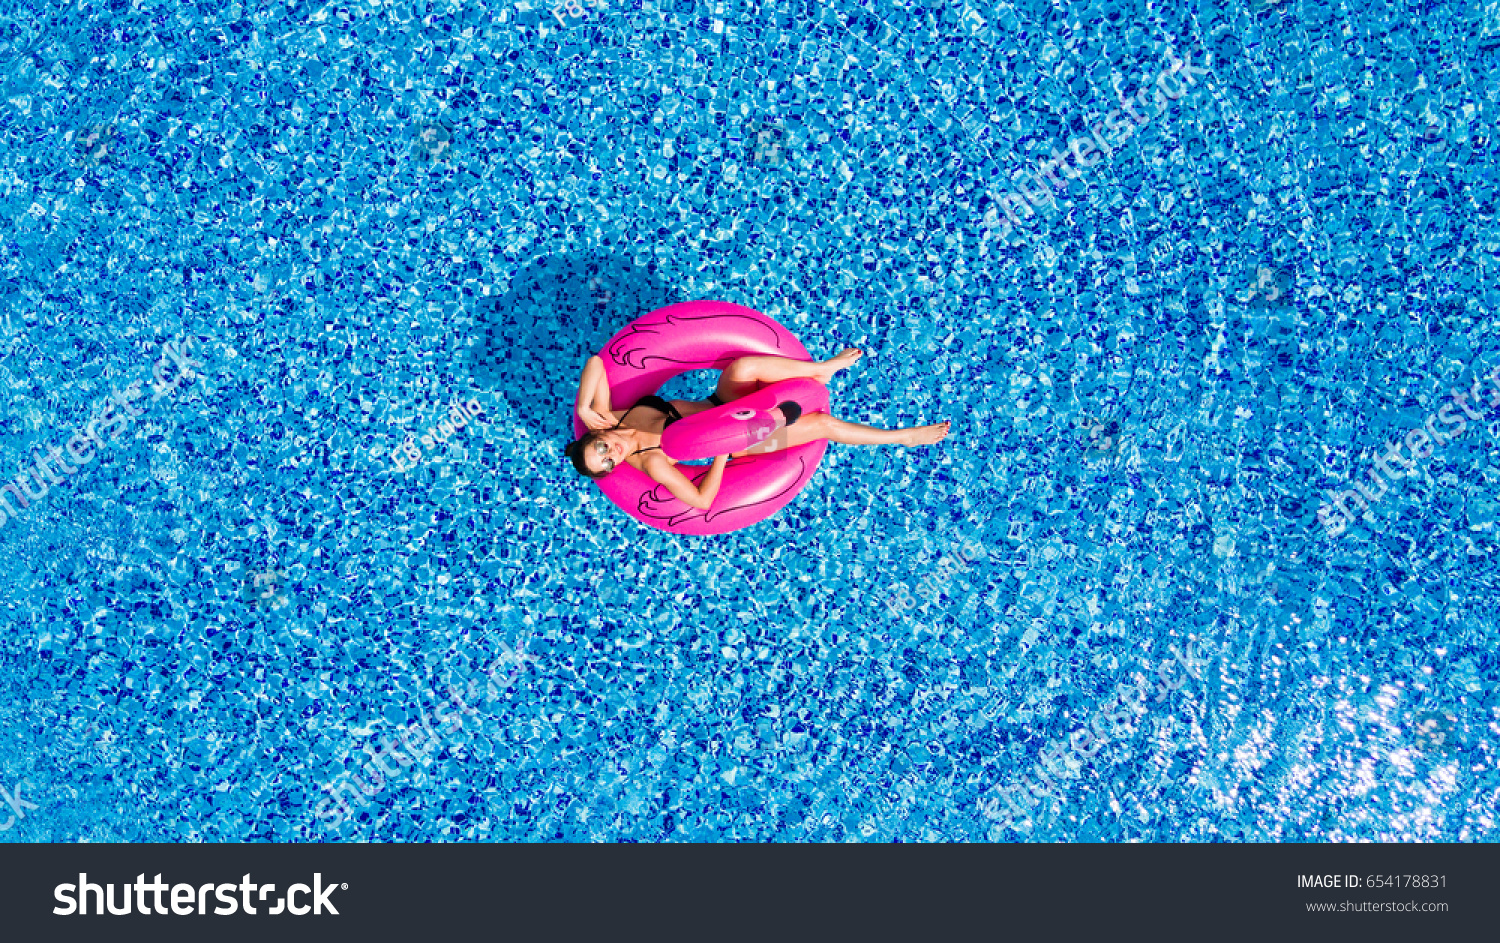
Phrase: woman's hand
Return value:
(592, 404)
(699, 496)
(595, 420)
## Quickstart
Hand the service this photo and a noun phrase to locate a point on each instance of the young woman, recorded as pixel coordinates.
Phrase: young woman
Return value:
(634, 435)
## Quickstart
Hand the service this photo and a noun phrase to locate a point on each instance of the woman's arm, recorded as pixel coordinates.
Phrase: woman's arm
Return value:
(701, 497)
(593, 396)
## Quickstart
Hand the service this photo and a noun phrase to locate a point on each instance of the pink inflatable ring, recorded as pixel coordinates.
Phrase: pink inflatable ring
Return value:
(710, 335)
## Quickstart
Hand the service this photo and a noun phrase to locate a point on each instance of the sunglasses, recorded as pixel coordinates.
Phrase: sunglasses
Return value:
(602, 450)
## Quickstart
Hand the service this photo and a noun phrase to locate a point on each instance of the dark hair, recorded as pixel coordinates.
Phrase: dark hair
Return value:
(578, 450)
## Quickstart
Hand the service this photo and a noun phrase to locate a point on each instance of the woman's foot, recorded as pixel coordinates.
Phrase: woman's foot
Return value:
(845, 359)
(925, 435)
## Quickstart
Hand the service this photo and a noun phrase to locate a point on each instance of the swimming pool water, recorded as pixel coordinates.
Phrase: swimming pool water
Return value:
(1157, 374)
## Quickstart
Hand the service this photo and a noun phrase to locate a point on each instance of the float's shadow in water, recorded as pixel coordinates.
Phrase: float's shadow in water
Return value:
(531, 342)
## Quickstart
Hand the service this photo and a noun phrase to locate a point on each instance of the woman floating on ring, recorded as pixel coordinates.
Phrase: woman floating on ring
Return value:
(634, 436)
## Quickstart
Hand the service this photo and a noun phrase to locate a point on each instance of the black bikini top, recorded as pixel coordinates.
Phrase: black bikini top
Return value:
(661, 406)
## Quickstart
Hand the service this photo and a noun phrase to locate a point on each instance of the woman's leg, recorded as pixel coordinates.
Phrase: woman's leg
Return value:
(748, 374)
(813, 426)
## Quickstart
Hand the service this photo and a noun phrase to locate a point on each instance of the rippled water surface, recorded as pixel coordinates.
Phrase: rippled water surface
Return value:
(1168, 331)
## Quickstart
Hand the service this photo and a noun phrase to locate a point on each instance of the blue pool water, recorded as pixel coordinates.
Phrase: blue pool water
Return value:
(1105, 609)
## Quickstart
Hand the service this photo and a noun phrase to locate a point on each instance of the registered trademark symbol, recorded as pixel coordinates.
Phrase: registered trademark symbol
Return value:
(344, 886)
